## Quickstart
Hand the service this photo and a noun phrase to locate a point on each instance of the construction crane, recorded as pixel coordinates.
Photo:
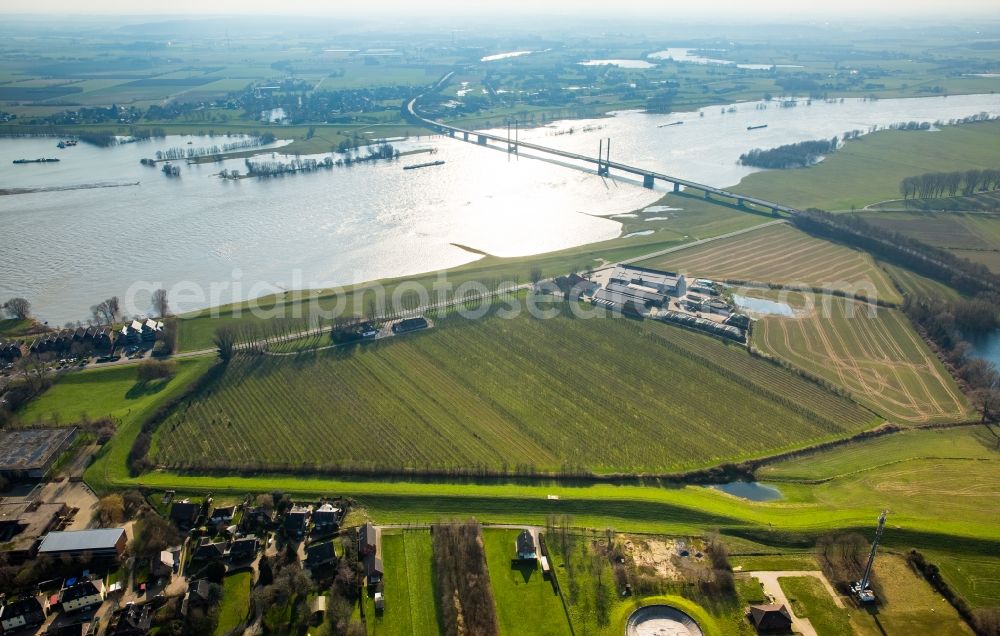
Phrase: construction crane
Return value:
(862, 589)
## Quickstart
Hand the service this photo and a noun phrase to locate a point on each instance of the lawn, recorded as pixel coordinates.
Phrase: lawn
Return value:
(951, 471)
(500, 395)
(871, 352)
(810, 599)
(594, 603)
(411, 605)
(113, 392)
(13, 328)
(869, 170)
(235, 602)
(783, 255)
(907, 605)
(526, 602)
(976, 578)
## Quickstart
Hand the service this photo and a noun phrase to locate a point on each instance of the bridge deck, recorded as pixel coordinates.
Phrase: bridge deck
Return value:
(643, 172)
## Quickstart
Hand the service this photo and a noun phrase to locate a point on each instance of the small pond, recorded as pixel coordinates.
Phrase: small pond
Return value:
(763, 306)
(751, 490)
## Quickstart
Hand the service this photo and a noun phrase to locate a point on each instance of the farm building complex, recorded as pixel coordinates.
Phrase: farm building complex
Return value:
(640, 287)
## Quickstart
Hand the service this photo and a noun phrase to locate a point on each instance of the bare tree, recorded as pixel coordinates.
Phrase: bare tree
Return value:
(107, 311)
(160, 303)
(225, 341)
(18, 308)
(536, 275)
(35, 373)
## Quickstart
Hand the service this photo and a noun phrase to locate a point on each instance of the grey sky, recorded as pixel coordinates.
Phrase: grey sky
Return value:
(790, 9)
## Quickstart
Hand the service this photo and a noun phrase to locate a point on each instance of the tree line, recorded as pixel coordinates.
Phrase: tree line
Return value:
(949, 325)
(253, 141)
(804, 153)
(985, 621)
(940, 184)
(463, 581)
(932, 262)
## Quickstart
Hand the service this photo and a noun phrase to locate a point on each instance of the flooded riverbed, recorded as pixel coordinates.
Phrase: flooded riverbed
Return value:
(346, 225)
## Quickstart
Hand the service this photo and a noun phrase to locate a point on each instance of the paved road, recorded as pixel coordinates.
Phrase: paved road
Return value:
(770, 582)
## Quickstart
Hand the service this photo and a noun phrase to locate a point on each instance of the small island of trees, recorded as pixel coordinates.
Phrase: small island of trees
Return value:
(798, 155)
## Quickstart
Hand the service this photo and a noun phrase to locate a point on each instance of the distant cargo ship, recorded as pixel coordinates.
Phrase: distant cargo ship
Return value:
(757, 127)
(66, 144)
(423, 165)
(673, 123)
(35, 160)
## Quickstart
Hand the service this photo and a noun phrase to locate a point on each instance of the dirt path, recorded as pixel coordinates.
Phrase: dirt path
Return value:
(771, 586)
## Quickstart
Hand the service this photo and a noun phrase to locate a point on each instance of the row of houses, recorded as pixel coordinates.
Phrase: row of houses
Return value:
(320, 520)
(134, 332)
(75, 603)
(238, 550)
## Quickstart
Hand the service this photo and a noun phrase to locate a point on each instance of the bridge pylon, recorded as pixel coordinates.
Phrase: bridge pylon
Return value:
(603, 165)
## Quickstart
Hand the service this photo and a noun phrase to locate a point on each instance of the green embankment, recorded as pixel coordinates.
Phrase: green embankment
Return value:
(913, 284)
(567, 394)
(869, 170)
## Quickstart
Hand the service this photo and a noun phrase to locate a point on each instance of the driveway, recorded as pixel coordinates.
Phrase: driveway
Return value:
(771, 587)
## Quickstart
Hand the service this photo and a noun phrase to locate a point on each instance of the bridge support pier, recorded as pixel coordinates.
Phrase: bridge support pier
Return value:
(603, 171)
(481, 140)
(708, 195)
(466, 136)
(451, 133)
(740, 203)
(677, 187)
(647, 181)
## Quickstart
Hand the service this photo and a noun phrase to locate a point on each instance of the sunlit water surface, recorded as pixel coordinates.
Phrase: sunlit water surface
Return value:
(66, 250)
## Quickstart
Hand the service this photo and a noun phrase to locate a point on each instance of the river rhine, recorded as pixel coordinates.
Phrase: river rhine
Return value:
(66, 250)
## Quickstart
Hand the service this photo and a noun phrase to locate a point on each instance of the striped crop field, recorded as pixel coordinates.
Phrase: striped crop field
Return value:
(913, 284)
(605, 395)
(783, 255)
(872, 353)
(975, 237)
